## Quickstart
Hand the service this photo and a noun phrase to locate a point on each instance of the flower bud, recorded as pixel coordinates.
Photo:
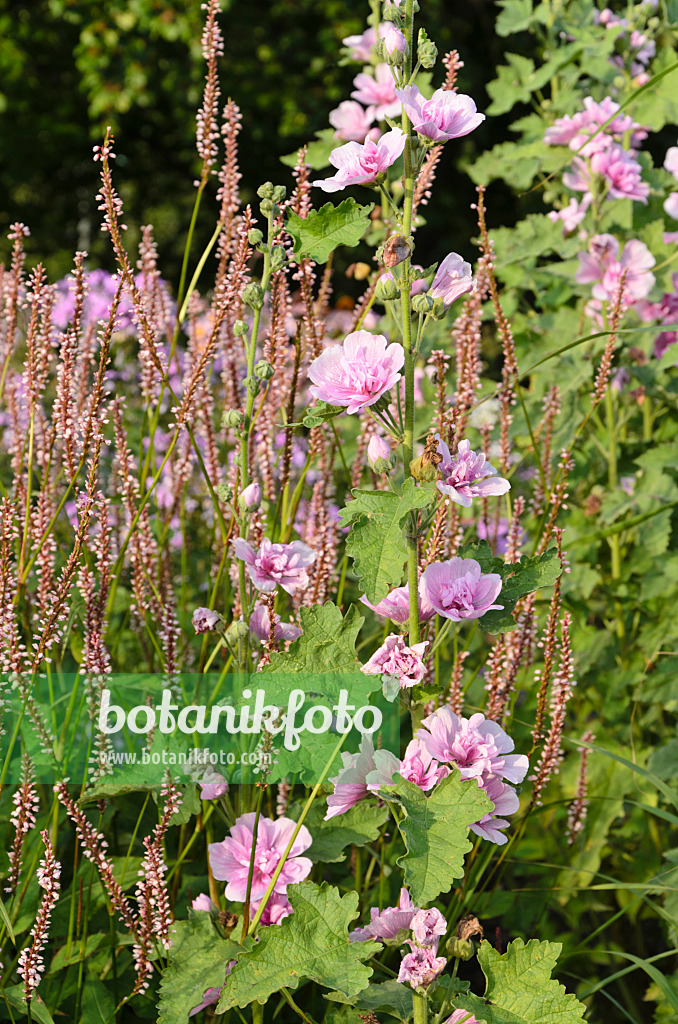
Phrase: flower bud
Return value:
(255, 236)
(250, 498)
(263, 370)
(233, 418)
(396, 250)
(266, 190)
(238, 630)
(379, 454)
(278, 257)
(279, 194)
(224, 492)
(253, 295)
(427, 51)
(463, 949)
(423, 304)
(392, 39)
(240, 328)
(391, 14)
(269, 208)
(387, 290)
(252, 385)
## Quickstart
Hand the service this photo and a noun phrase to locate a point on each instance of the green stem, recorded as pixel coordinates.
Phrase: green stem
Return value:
(250, 873)
(420, 1003)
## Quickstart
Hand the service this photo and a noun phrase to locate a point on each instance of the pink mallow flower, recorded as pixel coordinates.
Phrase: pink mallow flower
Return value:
(275, 911)
(275, 565)
(352, 121)
(671, 161)
(396, 606)
(604, 265)
(505, 801)
(458, 589)
(622, 171)
(212, 785)
(362, 165)
(390, 925)
(395, 658)
(420, 767)
(571, 215)
(671, 206)
(361, 46)
(454, 277)
(468, 475)
(462, 1017)
(576, 132)
(378, 92)
(421, 966)
(350, 785)
(357, 373)
(427, 927)
(204, 620)
(212, 995)
(478, 746)
(230, 859)
(203, 902)
(260, 626)
(447, 115)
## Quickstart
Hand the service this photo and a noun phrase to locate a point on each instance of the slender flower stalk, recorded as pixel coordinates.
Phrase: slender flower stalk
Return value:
(31, 965)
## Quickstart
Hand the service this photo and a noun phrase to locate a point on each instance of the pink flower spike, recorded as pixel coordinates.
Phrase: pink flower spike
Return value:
(468, 475)
(396, 606)
(458, 589)
(276, 564)
(447, 115)
(478, 746)
(362, 165)
(357, 373)
(352, 121)
(421, 966)
(390, 925)
(378, 92)
(454, 277)
(395, 658)
(230, 859)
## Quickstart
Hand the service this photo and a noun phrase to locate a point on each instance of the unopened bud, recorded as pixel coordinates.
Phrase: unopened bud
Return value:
(238, 630)
(279, 194)
(250, 498)
(266, 190)
(387, 290)
(240, 328)
(427, 51)
(462, 949)
(422, 470)
(423, 304)
(253, 295)
(252, 385)
(224, 492)
(438, 311)
(269, 208)
(380, 456)
(255, 236)
(233, 418)
(263, 370)
(278, 258)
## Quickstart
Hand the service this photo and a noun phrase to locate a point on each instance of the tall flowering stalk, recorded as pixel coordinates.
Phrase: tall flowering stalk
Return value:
(31, 965)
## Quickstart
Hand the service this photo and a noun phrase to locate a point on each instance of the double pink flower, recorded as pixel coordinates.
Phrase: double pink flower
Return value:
(357, 373)
(230, 859)
(276, 565)
(447, 115)
(458, 590)
(362, 164)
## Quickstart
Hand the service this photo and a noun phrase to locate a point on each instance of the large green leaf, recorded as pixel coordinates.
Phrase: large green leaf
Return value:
(359, 825)
(518, 580)
(377, 540)
(319, 234)
(386, 996)
(311, 943)
(197, 961)
(520, 989)
(435, 830)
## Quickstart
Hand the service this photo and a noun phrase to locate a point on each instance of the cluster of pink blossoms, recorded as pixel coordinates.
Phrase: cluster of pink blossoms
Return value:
(477, 746)
(601, 157)
(604, 264)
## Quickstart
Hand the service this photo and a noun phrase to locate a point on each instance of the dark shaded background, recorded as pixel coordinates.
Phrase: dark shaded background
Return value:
(68, 68)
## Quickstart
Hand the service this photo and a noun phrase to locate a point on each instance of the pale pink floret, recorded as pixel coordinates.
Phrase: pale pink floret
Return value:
(350, 785)
(361, 46)
(604, 265)
(454, 277)
(352, 121)
(462, 1017)
(447, 115)
(421, 966)
(478, 746)
(230, 859)
(458, 589)
(260, 626)
(357, 373)
(203, 902)
(505, 801)
(420, 767)
(388, 925)
(276, 565)
(571, 215)
(671, 161)
(427, 927)
(212, 786)
(378, 92)
(468, 475)
(362, 164)
(395, 658)
(396, 606)
(671, 206)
